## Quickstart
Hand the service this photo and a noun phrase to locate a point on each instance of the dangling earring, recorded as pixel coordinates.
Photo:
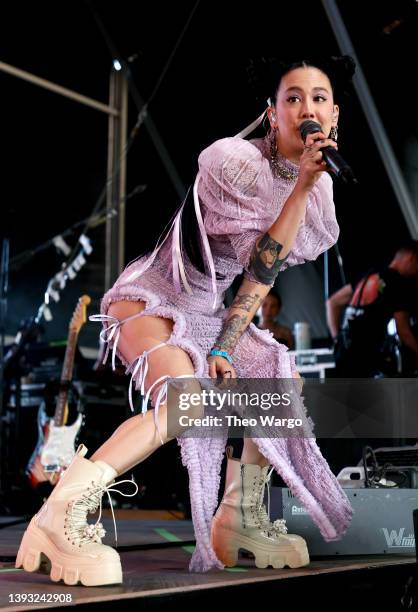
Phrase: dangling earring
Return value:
(279, 170)
(270, 128)
(334, 133)
(272, 136)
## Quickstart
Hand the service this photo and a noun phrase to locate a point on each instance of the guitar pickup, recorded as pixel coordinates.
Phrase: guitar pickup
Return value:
(51, 468)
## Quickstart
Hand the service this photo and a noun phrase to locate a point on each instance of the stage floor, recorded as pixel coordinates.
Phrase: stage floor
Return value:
(155, 556)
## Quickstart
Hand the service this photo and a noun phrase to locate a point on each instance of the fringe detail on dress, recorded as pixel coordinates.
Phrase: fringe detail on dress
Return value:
(311, 481)
(203, 459)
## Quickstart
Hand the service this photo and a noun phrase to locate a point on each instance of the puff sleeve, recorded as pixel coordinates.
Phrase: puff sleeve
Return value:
(319, 230)
(236, 190)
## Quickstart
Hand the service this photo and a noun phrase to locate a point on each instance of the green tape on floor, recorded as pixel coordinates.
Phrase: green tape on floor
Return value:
(12, 569)
(167, 535)
(171, 537)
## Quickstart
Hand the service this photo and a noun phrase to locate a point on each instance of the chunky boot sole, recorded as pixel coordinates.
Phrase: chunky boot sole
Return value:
(38, 552)
(226, 544)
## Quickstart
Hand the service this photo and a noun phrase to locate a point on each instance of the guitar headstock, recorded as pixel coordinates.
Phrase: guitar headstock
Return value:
(80, 314)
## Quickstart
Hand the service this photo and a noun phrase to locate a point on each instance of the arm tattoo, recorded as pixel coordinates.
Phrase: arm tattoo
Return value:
(235, 325)
(246, 301)
(264, 260)
(231, 332)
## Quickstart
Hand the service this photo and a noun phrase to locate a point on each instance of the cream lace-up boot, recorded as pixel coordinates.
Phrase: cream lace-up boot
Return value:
(59, 534)
(242, 521)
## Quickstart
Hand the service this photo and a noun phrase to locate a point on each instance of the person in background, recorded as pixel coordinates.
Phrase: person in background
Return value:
(358, 318)
(270, 310)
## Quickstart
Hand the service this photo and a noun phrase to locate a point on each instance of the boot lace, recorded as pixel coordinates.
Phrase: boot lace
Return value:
(77, 530)
(272, 528)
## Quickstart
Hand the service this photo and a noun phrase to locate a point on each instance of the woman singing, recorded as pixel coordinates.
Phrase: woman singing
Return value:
(260, 206)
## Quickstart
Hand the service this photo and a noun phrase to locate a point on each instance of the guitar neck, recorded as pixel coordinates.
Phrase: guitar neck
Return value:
(60, 416)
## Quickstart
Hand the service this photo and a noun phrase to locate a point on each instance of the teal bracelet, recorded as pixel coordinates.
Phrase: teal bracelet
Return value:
(216, 352)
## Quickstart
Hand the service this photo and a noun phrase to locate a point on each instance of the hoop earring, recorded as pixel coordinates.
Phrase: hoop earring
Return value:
(264, 125)
(334, 133)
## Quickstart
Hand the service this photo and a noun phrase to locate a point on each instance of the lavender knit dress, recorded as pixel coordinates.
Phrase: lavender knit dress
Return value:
(239, 200)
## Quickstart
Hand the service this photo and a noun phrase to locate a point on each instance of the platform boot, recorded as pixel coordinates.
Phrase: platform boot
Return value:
(59, 537)
(242, 522)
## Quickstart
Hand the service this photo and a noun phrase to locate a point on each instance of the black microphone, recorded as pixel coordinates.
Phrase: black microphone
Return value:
(330, 155)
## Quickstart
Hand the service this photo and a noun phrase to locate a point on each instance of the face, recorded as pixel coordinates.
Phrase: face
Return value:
(304, 93)
(408, 264)
(270, 307)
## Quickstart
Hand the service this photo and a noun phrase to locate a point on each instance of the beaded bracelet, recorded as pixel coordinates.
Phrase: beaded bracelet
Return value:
(225, 354)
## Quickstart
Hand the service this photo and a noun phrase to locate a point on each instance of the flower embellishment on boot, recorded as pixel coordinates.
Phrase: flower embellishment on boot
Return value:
(77, 529)
(94, 532)
(279, 525)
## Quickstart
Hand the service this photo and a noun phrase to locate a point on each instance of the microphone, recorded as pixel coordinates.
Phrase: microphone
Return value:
(330, 155)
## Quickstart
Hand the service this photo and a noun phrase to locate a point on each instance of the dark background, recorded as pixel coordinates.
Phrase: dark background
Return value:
(54, 150)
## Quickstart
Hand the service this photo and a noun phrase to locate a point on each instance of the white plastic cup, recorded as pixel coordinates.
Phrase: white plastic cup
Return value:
(302, 336)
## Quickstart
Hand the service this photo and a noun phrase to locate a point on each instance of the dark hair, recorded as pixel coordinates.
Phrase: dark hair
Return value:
(264, 74)
(410, 246)
(191, 234)
(275, 294)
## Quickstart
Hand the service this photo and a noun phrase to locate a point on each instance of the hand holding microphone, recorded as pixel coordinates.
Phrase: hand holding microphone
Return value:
(323, 148)
(312, 163)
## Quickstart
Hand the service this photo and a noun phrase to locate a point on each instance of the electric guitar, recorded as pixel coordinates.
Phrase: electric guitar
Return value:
(55, 447)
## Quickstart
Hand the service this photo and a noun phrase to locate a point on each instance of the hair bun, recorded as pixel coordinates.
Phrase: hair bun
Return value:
(262, 76)
(342, 69)
(264, 73)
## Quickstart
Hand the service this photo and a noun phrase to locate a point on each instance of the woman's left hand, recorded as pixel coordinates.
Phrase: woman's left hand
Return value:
(220, 367)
